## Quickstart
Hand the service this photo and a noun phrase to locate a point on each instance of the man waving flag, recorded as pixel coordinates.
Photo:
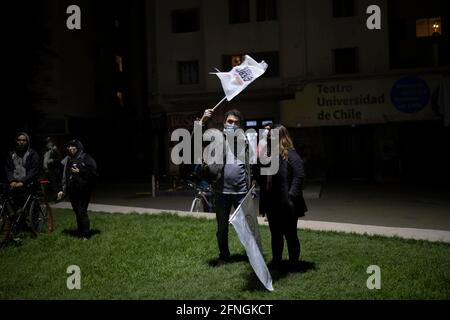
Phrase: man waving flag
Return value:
(236, 80)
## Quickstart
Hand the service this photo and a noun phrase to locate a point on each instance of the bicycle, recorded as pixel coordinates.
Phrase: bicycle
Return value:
(203, 198)
(35, 212)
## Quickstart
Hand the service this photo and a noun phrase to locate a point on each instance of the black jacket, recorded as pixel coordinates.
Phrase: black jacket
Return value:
(83, 181)
(285, 192)
(32, 166)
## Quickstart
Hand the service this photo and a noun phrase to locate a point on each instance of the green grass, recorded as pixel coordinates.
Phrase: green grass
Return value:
(166, 257)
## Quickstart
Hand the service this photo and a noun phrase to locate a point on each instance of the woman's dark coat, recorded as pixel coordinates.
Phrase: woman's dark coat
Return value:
(285, 192)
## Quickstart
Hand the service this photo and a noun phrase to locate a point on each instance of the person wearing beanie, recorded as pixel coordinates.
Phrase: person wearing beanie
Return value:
(79, 173)
(22, 169)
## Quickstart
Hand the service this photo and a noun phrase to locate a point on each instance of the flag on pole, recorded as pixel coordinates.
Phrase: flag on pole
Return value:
(236, 80)
(245, 222)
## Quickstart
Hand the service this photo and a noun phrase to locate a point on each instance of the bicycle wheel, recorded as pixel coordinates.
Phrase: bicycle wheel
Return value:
(197, 205)
(38, 217)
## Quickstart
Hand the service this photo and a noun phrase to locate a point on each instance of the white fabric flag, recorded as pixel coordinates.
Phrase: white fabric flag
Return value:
(245, 223)
(236, 80)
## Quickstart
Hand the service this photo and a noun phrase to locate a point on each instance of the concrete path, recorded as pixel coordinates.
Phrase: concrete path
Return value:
(387, 205)
(406, 233)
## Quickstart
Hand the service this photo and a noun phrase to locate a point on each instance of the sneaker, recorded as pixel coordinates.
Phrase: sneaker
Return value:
(294, 266)
(275, 264)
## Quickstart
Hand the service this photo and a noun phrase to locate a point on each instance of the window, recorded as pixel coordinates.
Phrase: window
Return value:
(266, 10)
(119, 62)
(428, 27)
(271, 58)
(343, 8)
(187, 20)
(231, 61)
(346, 60)
(257, 123)
(236, 60)
(251, 123)
(188, 72)
(239, 11)
(120, 99)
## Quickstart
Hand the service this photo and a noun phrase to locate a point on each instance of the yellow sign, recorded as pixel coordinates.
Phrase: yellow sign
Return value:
(362, 102)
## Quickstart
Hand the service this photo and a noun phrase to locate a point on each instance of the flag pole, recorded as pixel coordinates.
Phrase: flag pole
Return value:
(224, 98)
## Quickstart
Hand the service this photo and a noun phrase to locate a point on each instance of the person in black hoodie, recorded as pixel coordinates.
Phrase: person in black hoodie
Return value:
(22, 169)
(79, 173)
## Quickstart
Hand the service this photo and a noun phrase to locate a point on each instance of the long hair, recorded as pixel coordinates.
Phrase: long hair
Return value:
(286, 143)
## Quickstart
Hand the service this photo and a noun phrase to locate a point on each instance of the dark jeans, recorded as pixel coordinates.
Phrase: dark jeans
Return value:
(80, 203)
(282, 224)
(223, 204)
(19, 197)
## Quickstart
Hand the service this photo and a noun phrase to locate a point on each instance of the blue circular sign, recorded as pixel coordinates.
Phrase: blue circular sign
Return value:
(410, 94)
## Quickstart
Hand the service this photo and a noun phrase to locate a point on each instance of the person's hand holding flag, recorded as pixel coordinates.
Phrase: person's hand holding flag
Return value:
(207, 115)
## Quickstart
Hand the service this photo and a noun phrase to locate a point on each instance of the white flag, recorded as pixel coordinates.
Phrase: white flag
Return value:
(245, 223)
(236, 80)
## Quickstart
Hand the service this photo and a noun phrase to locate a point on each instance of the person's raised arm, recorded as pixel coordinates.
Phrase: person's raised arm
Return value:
(208, 114)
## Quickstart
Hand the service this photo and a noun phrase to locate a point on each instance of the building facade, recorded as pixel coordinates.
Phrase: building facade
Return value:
(360, 103)
(354, 98)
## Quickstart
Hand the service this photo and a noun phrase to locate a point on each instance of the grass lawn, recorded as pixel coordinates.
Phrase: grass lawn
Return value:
(167, 257)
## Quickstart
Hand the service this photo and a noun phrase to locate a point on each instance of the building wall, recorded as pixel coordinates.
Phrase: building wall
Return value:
(304, 34)
(325, 33)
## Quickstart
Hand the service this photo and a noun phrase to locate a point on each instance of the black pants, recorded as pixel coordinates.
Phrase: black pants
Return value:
(80, 202)
(223, 204)
(19, 197)
(282, 224)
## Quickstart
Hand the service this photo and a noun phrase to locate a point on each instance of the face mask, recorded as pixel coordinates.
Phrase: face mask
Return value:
(230, 128)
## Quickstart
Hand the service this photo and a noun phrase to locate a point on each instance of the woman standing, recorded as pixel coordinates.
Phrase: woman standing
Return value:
(79, 173)
(285, 203)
